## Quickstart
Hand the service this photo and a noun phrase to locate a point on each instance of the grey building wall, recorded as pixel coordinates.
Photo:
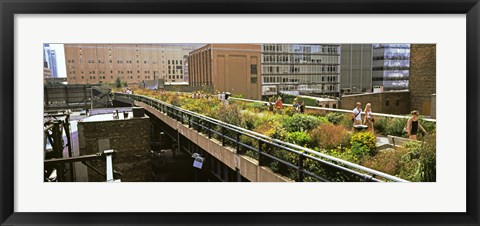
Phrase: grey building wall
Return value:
(356, 68)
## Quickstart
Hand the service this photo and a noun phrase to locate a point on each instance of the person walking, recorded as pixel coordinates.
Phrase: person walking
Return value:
(279, 105)
(413, 125)
(302, 107)
(369, 120)
(296, 105)
(357, 114)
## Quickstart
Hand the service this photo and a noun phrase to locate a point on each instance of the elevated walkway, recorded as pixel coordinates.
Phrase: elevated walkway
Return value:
(251, 154)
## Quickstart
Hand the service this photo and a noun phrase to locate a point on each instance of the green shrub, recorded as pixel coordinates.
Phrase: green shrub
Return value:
(419, 163)
(335, 117)
(430, 127)
(390, 126)
(363, 144)
(387, 161)
(299, 138)
(255, 107)
(301, 122)
(329, 136)
(229, 114)
(247, 120)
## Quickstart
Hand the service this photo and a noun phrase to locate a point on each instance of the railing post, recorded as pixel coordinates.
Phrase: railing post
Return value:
(209, 130)
(300, 167)
(237, 142)
(260, 149)
(189, 121)
(223, 135)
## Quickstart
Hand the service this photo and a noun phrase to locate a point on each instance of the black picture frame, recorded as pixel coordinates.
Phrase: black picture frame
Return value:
(10, 7)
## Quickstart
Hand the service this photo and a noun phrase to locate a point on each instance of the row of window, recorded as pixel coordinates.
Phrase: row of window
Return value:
(395, 68)
(111, 61)
(110, 50)
(305, 79)
(173, 71)
(301, 48)
(119, 72)
(391, 63)
(310, 88)
(300, 59)
(130, 77)
(299, 69)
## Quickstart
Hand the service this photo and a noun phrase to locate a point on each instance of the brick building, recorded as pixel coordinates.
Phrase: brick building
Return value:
(100, 63)
(422, 77)
(392, 102)
(129, 137)
(233, 68)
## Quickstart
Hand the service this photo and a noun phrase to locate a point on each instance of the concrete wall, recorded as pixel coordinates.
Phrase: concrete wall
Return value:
(130, 138)
(248, 167)
(66, 96)
(422, 82)
(392, 102)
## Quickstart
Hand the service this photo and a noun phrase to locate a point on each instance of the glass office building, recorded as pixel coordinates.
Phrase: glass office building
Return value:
(301, 68)
(391, 63)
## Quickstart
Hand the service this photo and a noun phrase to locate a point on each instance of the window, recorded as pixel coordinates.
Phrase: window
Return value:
(397, 102)
(387, 103)
(168, 61)
(253, 79)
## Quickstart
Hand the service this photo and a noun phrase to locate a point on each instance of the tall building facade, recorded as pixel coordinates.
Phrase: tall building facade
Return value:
(132, 63)
(391, 63)
(301, 68)
(50, 59)
(230, 68)
(356, 68)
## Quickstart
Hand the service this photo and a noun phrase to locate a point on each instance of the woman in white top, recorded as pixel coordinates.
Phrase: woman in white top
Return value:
(368, 120)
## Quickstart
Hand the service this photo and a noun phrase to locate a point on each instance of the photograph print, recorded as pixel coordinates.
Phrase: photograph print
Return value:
(239, 112)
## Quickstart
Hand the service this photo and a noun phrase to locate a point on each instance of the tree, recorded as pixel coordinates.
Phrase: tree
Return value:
(118, 83)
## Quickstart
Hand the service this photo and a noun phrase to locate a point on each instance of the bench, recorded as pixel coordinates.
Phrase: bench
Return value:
(398, 141)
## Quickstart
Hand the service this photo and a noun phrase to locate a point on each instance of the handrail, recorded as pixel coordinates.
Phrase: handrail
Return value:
(266, 138)
(338, 110)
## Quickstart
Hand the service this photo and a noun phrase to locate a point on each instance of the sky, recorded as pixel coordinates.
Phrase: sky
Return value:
(60, 51)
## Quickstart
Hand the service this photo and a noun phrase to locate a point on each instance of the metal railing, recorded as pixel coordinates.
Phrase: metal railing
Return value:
(293, 161)
(337, 110)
